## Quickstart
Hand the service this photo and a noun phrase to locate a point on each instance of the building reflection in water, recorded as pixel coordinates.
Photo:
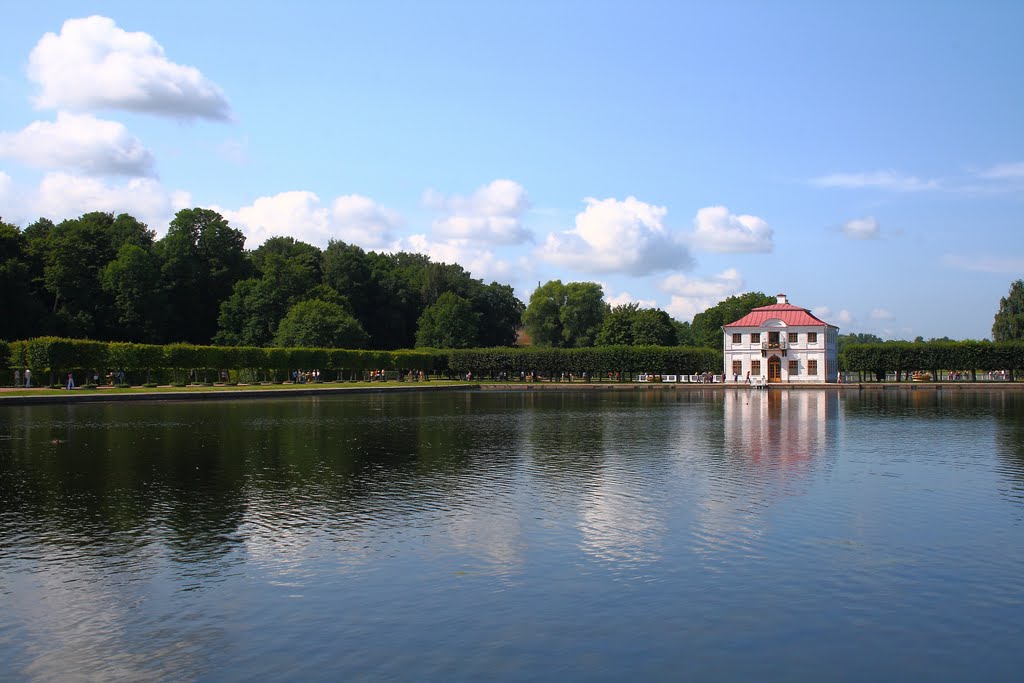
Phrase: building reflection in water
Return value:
(771, 444)
(779, 428)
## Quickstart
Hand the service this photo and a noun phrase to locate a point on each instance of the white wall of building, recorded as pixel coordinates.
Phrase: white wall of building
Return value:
(818, 356)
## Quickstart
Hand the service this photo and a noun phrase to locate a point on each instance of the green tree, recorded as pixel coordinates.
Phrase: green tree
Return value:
(126, 229)
(319, 324)
(251, 314)
(448, 323)
(132, 281)
(74, 252)
(541, 318)
(630, 325)
(202, 259)
(707, 326)
(617, 328)
(653, 327)
(565, 315)
(684, 333)
(20, 310)
(500, 313)
(582, 313)
(1008, 324)
(844, 340)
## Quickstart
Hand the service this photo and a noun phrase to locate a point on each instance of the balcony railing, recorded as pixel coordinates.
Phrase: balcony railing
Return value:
(771, 345)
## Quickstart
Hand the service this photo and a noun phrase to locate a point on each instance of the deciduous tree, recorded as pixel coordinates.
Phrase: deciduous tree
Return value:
(1009, 321)
(448, 323)
(319, 324)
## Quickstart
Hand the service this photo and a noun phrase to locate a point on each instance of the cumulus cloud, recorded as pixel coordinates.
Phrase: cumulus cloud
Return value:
(717, 230)
(624, 298)
(861, 228)
(692, 295)
(881, 314)
(841, 317)
(79, 142)
(480, 261)
(63, 195)
(878, 180)
(94, 64)
(300, 214)
(492, 214)
(617, 236)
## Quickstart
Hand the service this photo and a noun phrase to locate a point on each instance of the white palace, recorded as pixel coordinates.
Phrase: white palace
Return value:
(781, 343)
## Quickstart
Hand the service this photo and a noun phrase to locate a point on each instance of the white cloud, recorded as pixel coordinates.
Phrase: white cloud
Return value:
(842, 317)
(481, 262)
(62, 195)
(625, 298)
(360, 220)
(300, 214)
(5, 186)
(717, 230)
(880, 180)
(692, 295)
(93, 64)
(985, 263)
(617, 236)
(492, 214)
(881, 314)
(79, 142)
(861, 228)
(1007, 171)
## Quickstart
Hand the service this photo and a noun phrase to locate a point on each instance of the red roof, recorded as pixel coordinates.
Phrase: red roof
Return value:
(787, 313)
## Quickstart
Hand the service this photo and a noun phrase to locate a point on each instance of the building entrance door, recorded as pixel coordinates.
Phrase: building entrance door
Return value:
(774, 369)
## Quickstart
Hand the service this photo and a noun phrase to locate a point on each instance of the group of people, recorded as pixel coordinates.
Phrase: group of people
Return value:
(24, 379)
(305, 376)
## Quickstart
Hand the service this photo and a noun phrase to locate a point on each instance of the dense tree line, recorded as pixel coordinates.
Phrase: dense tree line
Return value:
(106, 277)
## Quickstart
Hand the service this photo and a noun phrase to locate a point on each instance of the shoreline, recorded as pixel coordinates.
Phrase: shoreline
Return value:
(24, 397)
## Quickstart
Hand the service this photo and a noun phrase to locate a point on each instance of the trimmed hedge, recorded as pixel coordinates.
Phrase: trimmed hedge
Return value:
(57, 356)
(906, 357)
(548, 362)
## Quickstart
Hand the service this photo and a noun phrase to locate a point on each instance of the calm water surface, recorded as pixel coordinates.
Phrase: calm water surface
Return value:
(513, 536)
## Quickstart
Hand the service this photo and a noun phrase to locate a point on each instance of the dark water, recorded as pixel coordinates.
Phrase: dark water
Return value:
(492, 536)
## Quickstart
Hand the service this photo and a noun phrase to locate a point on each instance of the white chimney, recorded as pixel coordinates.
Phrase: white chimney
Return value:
(781, 298)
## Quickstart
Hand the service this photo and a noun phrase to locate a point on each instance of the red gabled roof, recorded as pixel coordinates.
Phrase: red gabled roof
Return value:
(787, 313)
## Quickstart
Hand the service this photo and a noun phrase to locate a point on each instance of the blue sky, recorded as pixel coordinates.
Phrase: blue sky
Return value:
(866, 159)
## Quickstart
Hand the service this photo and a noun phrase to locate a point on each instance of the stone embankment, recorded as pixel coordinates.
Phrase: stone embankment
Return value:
(19, 397)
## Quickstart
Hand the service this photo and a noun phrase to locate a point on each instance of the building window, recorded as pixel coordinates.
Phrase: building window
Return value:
(755, 368)
(737, 338)
(755, 337)
(812, 367)
(812, 337)
(792, 337)
(794, 368)
(737, 367)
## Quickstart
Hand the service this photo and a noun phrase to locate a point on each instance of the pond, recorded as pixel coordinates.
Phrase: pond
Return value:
(516, 536)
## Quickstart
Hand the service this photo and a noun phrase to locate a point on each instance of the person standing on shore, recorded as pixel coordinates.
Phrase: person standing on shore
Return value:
(71, 381)
(17, 378)
(28, 378)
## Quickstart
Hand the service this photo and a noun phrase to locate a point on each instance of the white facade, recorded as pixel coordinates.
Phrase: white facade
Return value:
(781, 343)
